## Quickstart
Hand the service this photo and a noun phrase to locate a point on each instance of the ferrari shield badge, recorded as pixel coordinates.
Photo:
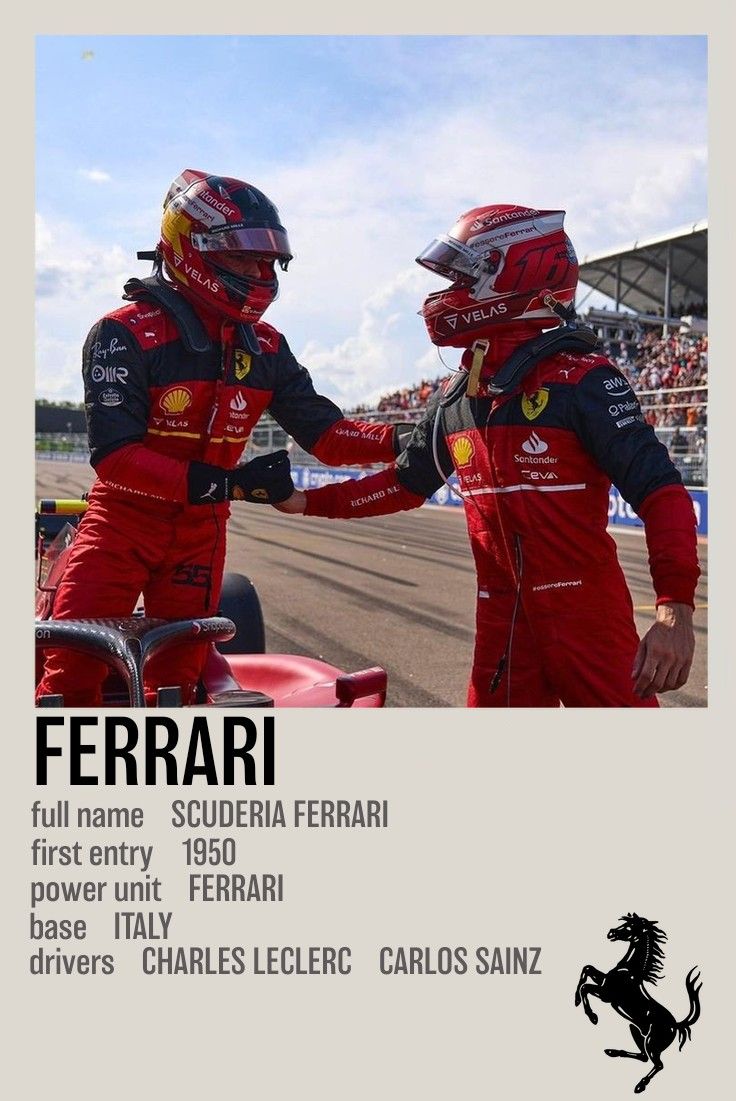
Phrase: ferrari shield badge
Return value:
(534, 404)
(242, 364)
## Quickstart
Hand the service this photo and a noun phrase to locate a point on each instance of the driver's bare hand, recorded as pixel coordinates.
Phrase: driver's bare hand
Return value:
(665, 653)
(294, 504)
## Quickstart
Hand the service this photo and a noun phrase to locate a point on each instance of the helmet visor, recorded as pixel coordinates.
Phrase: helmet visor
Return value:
(452, 259)
(267, 242)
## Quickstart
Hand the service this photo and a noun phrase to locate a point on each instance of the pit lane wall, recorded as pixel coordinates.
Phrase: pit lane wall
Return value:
(619, 512)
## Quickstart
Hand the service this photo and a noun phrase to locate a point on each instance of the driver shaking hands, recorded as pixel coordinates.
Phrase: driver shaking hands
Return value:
(175, 381)
(536, 425)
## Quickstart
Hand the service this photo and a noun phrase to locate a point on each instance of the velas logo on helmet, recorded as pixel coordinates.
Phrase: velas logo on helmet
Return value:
(206, 216)
(499, 259)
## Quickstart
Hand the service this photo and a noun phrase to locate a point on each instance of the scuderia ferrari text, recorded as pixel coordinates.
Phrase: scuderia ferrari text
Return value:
(211, 880)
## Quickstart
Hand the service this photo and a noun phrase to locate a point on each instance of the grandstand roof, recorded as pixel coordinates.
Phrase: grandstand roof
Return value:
(635, 275)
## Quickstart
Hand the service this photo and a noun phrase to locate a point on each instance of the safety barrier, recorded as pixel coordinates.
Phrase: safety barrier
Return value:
(621, 513)
(310, 477)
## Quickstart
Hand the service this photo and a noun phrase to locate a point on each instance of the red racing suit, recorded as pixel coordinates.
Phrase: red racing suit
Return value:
(554, 617)
(159, 393)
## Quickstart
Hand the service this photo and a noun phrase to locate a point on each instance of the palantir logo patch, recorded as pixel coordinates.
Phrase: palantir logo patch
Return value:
(652, 1026)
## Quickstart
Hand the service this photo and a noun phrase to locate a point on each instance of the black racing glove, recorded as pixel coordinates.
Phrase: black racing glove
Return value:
(265, 480)
(402, 435)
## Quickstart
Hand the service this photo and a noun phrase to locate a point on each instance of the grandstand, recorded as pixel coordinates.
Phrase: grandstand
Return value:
(656, 331)
(662, 278)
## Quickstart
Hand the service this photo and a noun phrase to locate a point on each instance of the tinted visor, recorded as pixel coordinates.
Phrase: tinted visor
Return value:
(452, 259)
(267, 242)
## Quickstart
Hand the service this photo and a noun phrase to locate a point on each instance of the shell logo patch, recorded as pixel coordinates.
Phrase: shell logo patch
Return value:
(242, 364)
(534, 404)
(176, 399)
(462, 450)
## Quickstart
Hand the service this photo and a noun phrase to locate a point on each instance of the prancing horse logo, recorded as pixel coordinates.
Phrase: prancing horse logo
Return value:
(652, 1026)
(534, 404)
(242, 364)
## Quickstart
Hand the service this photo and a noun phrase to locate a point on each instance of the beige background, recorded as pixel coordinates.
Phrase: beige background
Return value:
(503, 831)
(526, 828)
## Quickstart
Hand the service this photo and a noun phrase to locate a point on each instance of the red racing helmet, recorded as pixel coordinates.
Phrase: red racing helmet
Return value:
(499, 259)
(206, 215)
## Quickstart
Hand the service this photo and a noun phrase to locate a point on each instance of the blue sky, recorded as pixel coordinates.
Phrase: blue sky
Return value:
(370, 147)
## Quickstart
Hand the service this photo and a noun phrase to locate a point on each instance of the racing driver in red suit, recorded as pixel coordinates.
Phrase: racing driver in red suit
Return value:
(175, 381)
(536, 425)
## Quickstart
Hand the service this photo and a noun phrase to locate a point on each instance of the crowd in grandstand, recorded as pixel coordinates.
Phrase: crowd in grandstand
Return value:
(407, 399)
(665, 370)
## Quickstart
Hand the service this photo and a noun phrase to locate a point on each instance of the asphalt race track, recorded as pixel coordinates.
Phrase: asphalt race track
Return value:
(397, 591)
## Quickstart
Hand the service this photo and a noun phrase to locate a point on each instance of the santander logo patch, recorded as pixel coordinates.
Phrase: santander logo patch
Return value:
(533, 445)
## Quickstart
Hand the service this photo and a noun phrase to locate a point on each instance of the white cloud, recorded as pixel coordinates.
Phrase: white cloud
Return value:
(358, 211)
(78, 280)
(95, 175)
(387, 350)
(362, 211)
